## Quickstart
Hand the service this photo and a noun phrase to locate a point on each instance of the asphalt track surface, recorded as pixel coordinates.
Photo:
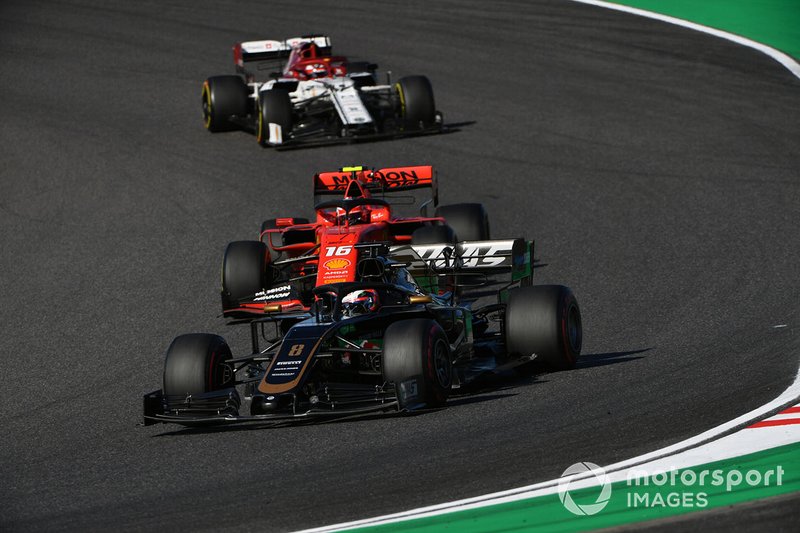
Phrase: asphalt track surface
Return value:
(657, 169)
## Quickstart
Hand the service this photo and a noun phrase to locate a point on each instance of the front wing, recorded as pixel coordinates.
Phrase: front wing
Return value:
(222, 408)
(322, 138)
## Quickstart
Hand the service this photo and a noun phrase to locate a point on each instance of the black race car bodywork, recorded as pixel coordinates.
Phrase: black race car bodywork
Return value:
(398, 313)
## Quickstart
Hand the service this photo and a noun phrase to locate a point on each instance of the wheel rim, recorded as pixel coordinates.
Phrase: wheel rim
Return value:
(441, 362)
(402, 99)
(574, 330)
(206, 105)
(260, 135)
(223, 374)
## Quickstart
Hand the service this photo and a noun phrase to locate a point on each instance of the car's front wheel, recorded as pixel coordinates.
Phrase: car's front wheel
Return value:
(197, 363)
(274, 107)
(224, 97)
(416, 357)
(417, 106)
(244, 272)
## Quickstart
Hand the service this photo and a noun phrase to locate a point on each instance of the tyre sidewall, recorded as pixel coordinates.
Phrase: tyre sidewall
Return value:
(244, 271)
(417, 105)
(223, 97)
(469, 220)
(274, 106)
(544, 320)
(195, 364)
(417, 359)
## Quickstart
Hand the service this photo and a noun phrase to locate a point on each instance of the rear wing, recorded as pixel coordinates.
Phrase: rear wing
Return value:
(510, 259)
(251, 56)
(383, 183)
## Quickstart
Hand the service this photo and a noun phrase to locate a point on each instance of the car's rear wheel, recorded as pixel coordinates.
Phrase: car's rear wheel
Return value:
(440, 234)
(197, 363)
(416, 357)
(544, 320)
(274, 107)
(244, 272)
(469, 221)
(224, 97)
(417, 106)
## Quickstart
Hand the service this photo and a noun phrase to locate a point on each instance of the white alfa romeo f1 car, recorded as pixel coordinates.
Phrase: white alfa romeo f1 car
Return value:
(294, 92)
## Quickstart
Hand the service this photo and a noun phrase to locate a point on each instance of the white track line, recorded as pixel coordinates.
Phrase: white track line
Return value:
(789, 397)
(777, 55)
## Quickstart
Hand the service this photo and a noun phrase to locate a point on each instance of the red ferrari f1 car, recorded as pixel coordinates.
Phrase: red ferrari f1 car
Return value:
(295, 92)
(362, 309)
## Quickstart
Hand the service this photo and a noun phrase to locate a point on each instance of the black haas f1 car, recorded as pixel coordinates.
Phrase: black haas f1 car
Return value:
(363, 310)
(294, 92)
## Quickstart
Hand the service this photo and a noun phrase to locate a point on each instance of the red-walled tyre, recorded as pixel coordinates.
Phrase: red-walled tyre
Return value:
(544, 320)
(416, 357)
(197, 363)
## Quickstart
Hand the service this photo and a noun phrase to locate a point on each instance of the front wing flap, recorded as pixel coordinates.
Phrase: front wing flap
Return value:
(322, 139)
(157, 411)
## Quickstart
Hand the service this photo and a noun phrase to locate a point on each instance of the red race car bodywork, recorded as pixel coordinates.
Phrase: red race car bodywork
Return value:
(325, 251)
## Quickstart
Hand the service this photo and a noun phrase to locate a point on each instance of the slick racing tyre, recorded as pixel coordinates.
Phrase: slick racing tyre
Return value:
(417, 107)
(469, 221)
(416, 357)
(544, 320)
(244, 272)
(274, 107)
(434, 235)
(197, 363)
(223, 97)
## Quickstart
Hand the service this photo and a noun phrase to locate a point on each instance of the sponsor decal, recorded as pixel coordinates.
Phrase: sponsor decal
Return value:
(392, 178)
(338, 250)
(472, 256)
(337, 264)
(399, 178)
(277, 293)
(296, 350)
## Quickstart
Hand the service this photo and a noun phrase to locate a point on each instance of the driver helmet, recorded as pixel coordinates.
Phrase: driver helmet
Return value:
(360, 302)
(315, 70)
(357, 215)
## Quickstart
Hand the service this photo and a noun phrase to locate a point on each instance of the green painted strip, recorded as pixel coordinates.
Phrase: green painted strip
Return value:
(772, 22)
(546, 513)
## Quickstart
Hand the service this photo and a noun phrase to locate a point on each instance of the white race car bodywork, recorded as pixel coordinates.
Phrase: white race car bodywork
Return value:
(341, 92)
